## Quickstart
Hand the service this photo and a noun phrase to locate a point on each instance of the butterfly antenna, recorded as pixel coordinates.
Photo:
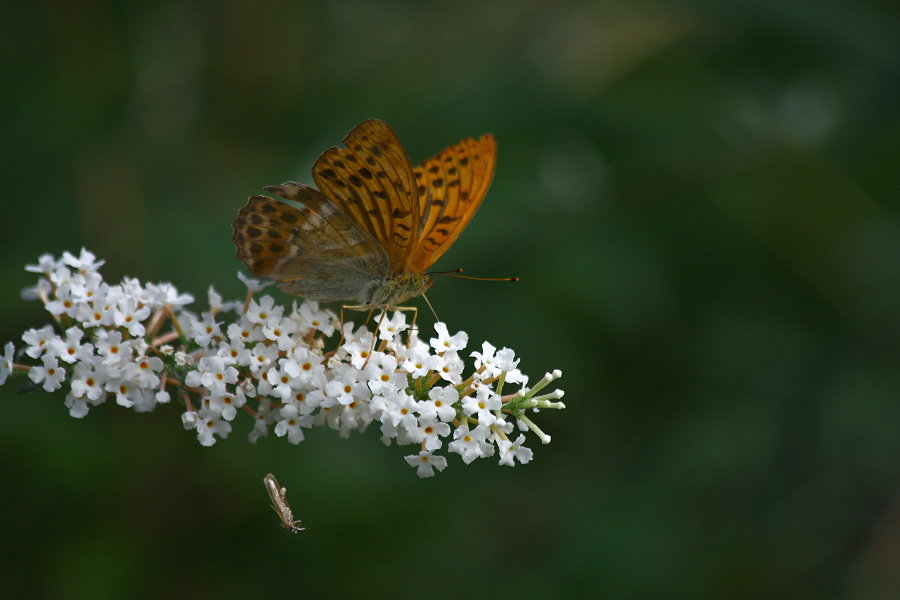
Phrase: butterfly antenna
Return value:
(455, 273)
(436, 317)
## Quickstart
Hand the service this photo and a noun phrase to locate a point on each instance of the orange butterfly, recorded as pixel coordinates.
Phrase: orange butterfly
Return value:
(375, 226)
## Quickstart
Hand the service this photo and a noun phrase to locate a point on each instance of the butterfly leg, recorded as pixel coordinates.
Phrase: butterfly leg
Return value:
(340, 341)
(375, 333)
(343, 336)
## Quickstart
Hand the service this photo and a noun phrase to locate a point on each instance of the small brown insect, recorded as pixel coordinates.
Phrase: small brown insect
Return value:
(278, 495)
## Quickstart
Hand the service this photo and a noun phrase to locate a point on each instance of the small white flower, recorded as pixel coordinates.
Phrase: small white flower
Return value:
(78, 406)
(37, 340)
(46, 265)
(6, 361)
(470, 444)
(228, 404)
(253, 285)
(482, 404)
(140, 346)
(299, 366)
(309, 316)
(126, 394)
(95, 313)
(265, 415)
(50, 373)
(89, 287)
(328, 415)
(360, 348)
(512, 451)
(145, 401)
(205, 329)
(213, 374)
(445, 342)
(283, 384)
(245, 331)
(451, 367)
(189, 419)
(111, 347)
(71, 349)
(214, 299)
(64, 302)
(210, 425)
(61, 277)
(144, 371)
(127, 314)
(260, 312)
(392, 327)
(382, 374)
(485, 359)
(128, 288)
(163, 294)
(182, 359)
(354, 416)
(400, 411)
(233, 352)
(439, 404)
(85, 262)
(507, 361)
(431, 431)
(345, 387)
(42, 289)
(261, 356)
(419, 360)
(88, 379)
(280, 330)
(291, 426)
(426, 462)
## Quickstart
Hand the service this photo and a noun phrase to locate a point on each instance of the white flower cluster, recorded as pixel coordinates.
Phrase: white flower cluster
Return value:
(138, 343)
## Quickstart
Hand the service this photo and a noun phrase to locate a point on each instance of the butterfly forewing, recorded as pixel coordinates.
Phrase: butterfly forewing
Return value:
(372, 181)
(316, 251)
(450, 188)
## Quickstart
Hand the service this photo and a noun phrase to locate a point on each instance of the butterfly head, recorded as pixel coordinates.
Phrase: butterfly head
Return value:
(398, 289)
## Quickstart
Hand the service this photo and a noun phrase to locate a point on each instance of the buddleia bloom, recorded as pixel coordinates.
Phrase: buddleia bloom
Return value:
(287, 368)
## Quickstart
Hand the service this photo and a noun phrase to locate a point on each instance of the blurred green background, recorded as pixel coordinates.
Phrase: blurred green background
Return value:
(696, 196)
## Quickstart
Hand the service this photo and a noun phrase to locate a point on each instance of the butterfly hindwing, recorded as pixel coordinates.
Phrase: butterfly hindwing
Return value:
(316, 251)
(372, 181)
(450, 188)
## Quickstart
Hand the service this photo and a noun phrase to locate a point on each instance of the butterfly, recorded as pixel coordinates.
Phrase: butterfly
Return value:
(373, 226)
